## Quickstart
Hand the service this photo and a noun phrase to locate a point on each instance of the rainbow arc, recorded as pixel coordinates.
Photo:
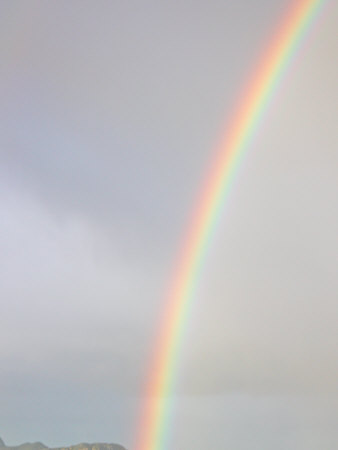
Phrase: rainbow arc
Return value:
(263, 84)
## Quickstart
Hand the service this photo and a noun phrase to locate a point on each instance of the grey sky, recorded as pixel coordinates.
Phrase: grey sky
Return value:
(109, 115)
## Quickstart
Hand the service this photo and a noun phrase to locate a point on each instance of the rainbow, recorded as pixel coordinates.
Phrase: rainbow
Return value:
(262, 86)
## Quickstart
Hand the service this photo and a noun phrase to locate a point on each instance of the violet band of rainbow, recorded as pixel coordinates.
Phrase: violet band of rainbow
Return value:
(155, 421)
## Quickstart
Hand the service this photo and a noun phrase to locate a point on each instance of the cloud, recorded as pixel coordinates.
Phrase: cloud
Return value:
(109, 115)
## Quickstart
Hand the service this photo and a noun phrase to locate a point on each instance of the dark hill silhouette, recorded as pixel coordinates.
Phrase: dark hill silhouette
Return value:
(41, 446)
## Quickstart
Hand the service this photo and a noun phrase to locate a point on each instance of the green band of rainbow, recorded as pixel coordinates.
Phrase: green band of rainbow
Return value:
(263, 84)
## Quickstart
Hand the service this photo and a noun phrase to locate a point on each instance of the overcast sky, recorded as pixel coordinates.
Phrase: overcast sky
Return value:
(110, 112)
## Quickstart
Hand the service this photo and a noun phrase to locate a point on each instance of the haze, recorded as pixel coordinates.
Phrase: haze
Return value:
(109, 115)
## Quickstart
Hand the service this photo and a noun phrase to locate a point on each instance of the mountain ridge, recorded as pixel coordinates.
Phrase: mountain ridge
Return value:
(81, 446)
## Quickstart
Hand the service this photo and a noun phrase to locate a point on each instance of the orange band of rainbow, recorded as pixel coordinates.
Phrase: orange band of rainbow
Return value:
(154, 423)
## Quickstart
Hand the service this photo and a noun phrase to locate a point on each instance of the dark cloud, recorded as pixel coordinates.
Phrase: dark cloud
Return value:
(108, 115)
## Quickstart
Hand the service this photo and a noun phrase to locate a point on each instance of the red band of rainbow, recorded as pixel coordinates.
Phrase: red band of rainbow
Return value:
(261, 87)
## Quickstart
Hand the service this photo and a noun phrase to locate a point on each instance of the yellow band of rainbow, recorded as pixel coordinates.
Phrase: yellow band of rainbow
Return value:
(154, 423)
